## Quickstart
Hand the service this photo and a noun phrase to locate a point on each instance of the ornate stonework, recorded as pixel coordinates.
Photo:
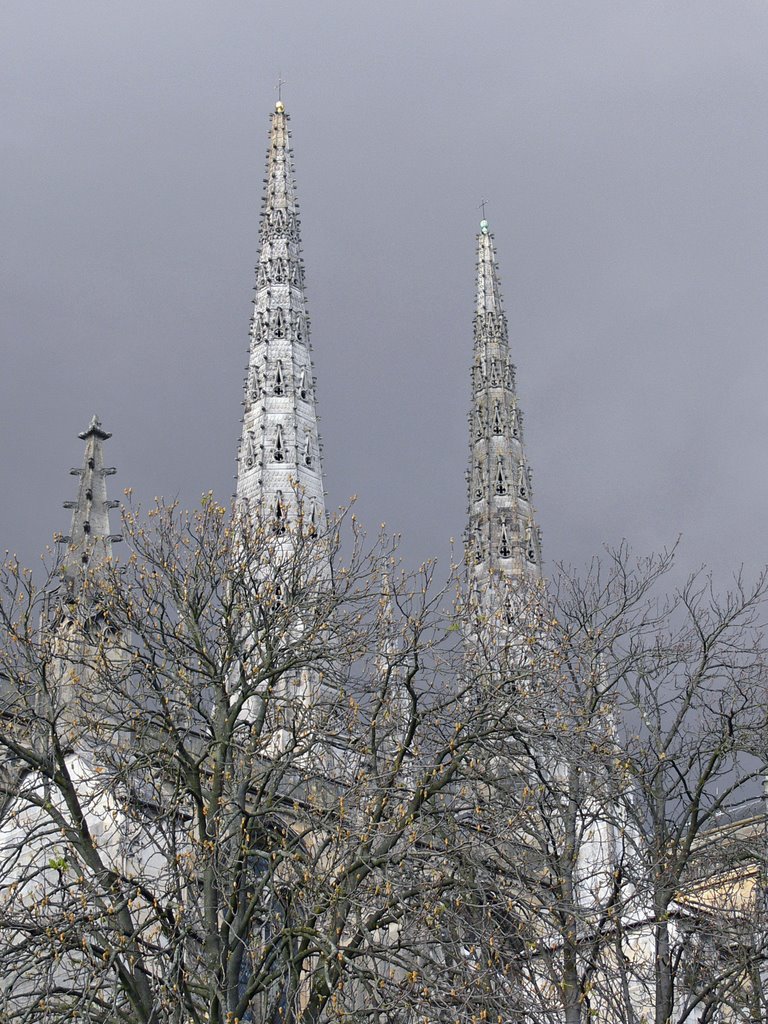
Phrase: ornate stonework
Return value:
(279, 456)
(502, 537)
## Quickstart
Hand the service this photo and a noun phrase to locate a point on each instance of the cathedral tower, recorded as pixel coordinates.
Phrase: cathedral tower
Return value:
(503, 541)
(279, 471)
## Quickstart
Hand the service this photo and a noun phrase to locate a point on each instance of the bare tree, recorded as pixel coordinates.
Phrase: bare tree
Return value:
(694, 745)
(228, 776)
(624, 748)
(554, 799)
(244, 777)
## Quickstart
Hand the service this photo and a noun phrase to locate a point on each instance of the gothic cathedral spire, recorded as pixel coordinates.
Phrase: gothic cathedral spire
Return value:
(90, 541)
(502, 540)
(279, 471)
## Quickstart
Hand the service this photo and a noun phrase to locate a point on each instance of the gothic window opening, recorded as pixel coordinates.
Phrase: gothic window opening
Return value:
(505, 550)
(479, 423)
(498, 424)
(279, 521)
(278, 452)
(279, 329)
(312, 528)
(249, 451)
(501, 477)
(478, 548)
(304, 384)
(478, 488)
(530, 548)
(308, 451)
(494, 373)
(522, 489)
(278, 271)
(279, 388)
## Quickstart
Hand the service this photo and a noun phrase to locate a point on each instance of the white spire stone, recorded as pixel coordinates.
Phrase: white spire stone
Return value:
(279, 454)
(502, 540)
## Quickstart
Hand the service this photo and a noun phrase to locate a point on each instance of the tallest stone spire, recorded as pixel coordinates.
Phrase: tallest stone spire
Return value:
(503, 540)
(279, 472)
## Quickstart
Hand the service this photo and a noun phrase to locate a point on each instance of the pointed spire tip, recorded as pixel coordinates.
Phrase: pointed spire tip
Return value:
(94, 427)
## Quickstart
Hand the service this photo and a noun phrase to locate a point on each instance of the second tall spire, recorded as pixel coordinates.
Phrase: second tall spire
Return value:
(502, 538)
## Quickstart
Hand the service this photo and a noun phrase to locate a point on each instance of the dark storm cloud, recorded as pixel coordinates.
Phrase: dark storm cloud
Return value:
(623, 151)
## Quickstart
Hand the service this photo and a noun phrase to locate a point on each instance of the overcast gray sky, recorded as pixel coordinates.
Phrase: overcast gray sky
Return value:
(623, 151)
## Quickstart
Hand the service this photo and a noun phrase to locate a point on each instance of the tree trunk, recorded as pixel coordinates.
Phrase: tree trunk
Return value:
(664, 982)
